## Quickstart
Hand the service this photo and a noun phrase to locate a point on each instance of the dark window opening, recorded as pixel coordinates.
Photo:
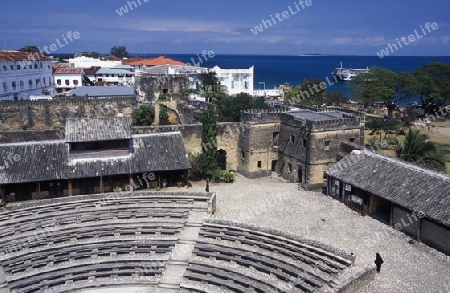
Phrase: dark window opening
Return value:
(305, 142)
(259, 164)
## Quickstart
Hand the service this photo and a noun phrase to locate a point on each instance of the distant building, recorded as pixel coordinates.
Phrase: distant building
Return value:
(96, 156)
(24, 74)
(235, 81)
(161, 60)
(412, 199)
(299, 144)
(115, 76)
(66, 79)
(87, 62)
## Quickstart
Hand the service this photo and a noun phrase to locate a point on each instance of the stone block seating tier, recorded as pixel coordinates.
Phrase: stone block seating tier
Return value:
(243, 260)
(103, 241)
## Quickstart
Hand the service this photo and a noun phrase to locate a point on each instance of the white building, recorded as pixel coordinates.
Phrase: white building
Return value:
(87, 62)
(113, 76)
(24, 74)
(236, 80)
(66, 79)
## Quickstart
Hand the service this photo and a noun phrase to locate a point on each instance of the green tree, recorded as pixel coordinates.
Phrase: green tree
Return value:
(209, 141)
(378, 126)
(163, 116)
(229, 107)
(431, 84)
(30, 49)
(416, 148)
(209, 86)
(119, 51)
(92, 54)
(335, 98)
(144, 115)
(309, 92)
(380, 84)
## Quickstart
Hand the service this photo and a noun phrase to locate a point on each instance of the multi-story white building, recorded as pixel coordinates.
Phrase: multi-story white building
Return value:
(87, 62)
(236, 80)
(68, 78)
(113, 76)
(24, 74)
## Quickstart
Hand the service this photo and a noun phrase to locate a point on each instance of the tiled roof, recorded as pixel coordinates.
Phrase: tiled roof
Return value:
(404, 184)
(97, 129)
(92, 70)
(132, 59)
(22, 56)
(69, 71)
(50, 160)
(161, 60)
(102, 91)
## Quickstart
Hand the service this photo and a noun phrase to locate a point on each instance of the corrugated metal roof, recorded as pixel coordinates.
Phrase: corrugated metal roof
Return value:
(50, 160)
(409, 186)
(102, 91)
(98, 129)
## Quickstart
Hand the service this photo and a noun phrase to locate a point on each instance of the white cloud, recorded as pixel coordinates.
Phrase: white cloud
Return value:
(373, 41)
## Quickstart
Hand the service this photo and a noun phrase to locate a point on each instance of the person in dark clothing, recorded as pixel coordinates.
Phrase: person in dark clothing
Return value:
(378, 261)
(207, 185)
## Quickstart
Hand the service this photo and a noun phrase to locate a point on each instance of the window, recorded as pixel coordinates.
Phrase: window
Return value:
(30, 84)
(58, 81)
(41, 65)
(67, 82)
(14, 85)
(31, 66)
(326, 144)
(75, 82)
(107, 75)
(243, 154)
(246, 85)
(22, 85)
(48, 66)
(292, 139)
(351, 139)
(38, 81)
(232, 84)
(325, 175)
(5, 87)
(289, 165)
(11, 67)
(305, 142)
(49, 81)
(275, 136)
(259, 164)
(5, 68)
(18, 67)
(35, 65)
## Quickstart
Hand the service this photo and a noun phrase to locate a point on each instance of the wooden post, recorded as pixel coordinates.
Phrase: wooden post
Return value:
(101, 188)
(69, 186)
(38, 188)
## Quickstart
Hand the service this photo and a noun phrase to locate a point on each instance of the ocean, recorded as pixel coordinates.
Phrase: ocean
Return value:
(292, 70)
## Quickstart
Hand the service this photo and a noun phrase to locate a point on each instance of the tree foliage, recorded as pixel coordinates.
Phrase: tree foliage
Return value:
(380, 84)
(144, 115)
(431, 84)
(119, 51)
(378, 126)
(310, 92)
(416, 148)
(30, 49)
(209, 141)
(229, 107)
(209, 86)
(163, 116)
(92, 54)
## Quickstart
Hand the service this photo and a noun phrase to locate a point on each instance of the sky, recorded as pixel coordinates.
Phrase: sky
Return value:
(286, 27)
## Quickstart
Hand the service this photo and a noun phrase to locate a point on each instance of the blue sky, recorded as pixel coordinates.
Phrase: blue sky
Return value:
(173, 26)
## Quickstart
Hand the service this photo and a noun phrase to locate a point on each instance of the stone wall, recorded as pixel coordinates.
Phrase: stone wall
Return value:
(45, 114)
(227, 138)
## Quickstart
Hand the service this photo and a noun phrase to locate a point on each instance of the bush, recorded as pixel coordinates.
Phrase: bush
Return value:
(229, 176)
(196, 171)
(217, 175)
(144, 115)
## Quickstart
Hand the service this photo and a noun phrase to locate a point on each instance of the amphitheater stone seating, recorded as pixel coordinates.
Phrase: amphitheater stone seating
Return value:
(140, 239)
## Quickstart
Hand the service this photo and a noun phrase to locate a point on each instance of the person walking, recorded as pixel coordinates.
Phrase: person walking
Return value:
(207, 185)
(378, 261)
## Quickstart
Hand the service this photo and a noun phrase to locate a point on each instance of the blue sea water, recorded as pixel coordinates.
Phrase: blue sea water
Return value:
(292, 70)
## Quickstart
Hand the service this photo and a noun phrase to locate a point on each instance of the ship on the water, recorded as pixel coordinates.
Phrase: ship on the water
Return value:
(347, 74)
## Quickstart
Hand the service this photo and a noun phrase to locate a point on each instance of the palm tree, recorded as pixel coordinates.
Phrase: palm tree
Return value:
(416, 148)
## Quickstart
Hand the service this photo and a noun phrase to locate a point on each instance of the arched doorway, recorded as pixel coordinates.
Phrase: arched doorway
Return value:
(221, 158)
